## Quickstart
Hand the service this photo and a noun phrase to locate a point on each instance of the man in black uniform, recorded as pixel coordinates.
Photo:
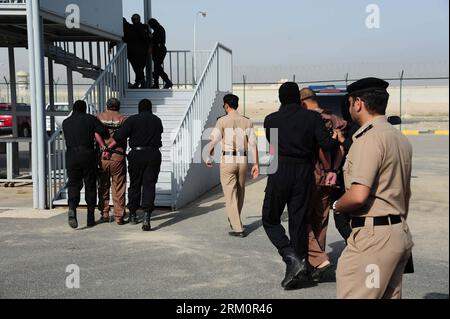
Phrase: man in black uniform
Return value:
(144, 161)
(342, 221)
(137, 36)
(159, 51)
(81, 160)
(300, 134)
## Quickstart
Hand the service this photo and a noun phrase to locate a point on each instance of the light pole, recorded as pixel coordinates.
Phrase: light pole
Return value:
(7, 90)
(194, 54)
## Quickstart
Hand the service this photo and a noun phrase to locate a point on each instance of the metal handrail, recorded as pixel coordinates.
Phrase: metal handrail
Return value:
(216, 77)
(15, 2)
(108, 70)
(112, 82)
(202, 79)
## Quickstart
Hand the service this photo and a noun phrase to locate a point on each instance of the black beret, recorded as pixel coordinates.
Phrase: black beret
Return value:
(367, 85)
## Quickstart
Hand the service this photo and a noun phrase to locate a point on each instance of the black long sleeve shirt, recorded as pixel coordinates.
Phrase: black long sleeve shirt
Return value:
(142, 130)
(159, 37)
(80, 128)
(351, 130)
(300, 132)
(137, 37)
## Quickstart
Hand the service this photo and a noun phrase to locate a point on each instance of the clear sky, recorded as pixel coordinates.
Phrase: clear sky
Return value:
(314, 37)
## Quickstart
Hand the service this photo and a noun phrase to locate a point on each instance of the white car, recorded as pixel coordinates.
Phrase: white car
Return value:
(60, 112)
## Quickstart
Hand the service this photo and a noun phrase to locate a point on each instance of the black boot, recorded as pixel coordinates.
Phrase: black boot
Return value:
(146, 222)
(132, 219)
(91, 217)
(73, 217)
(296, 271)
(155, 85)
(168, 85)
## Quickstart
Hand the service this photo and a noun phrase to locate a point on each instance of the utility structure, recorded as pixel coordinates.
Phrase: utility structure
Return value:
(186, 111)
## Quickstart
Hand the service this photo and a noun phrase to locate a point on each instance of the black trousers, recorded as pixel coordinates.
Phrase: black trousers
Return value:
(144, 168)
(137, 55)
(138, 65)
(291, 185)
(82, 167)
(158, 56)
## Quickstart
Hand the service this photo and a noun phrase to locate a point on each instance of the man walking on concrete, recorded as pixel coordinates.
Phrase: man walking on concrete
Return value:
(81, 160)
(327, 163)
(238, 138)
(113, 168)
(300, 134)
(378, 183)
(144, 132)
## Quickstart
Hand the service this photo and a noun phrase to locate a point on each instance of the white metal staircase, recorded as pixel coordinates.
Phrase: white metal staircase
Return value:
(170, 107)
(185, 115)
(72, 61)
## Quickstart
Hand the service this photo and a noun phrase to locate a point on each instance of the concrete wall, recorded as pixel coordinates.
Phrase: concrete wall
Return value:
(105, 15)
(417, 101)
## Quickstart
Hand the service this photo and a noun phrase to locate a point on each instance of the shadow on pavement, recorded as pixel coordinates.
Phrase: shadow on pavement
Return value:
(190, 212)
(435, 295)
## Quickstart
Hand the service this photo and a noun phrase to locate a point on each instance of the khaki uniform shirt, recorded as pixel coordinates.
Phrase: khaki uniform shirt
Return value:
(235, 131)
(381, 158)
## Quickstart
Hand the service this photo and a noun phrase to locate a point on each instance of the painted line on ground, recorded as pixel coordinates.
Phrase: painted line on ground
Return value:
(261, 133)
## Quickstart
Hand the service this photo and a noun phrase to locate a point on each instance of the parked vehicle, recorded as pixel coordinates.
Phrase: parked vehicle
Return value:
(60, 111)
(23, 121)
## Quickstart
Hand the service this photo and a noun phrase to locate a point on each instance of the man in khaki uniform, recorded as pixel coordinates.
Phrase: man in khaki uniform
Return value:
(113, 167)
(238, 138)
(377, 177)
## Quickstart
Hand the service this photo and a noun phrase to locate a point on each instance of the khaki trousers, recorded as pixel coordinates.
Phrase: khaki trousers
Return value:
(232, 178)
(372, 265)
(317, 230)
(115, 171)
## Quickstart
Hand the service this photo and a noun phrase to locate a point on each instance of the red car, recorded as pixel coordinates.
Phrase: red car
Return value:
(23, 121)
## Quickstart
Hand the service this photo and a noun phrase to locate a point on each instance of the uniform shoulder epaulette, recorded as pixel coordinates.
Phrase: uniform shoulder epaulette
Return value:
(220, 117)
(367, 129)
(246, 117)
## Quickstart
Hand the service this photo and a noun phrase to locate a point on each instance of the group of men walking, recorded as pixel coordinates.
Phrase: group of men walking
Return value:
(368, 193)
(107, 163)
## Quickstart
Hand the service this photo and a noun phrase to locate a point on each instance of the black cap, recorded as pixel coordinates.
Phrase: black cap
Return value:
(289, 93)
(367, 85)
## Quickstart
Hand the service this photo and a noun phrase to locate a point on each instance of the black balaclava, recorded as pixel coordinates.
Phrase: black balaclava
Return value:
(79, 107)
(289, 93)
(136, 19)
(153, 23)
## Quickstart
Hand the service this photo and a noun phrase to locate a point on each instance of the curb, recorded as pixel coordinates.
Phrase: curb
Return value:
(260, 132)
(428, 132)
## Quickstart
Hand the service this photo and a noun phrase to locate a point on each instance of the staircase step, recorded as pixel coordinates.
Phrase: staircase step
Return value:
(159, 94)
(155, 101)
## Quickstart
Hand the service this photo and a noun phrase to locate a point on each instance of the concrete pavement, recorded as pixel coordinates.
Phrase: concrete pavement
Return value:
(190, 255)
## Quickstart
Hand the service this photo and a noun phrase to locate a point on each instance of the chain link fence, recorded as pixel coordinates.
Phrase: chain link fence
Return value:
(422, 103)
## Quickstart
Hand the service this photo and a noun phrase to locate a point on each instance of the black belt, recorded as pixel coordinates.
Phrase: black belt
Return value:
(235, 153)
(144, 148)
(295, 160)
(377, 221)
